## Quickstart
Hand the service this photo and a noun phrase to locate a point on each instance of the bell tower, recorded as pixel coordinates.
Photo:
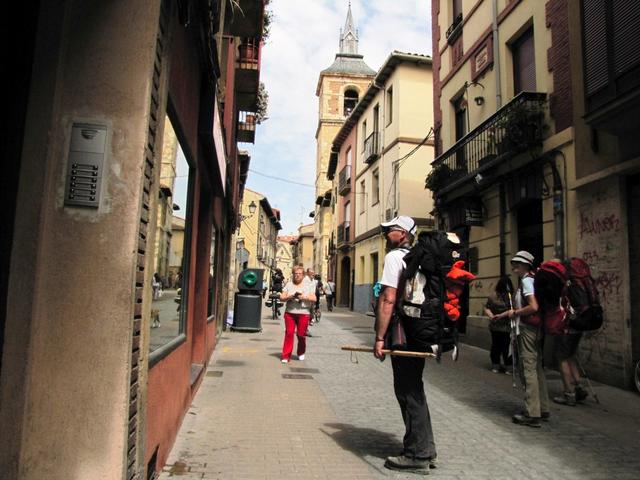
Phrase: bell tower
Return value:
(339, 89)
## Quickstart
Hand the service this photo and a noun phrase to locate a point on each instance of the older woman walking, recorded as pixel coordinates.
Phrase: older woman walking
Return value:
(299, 295)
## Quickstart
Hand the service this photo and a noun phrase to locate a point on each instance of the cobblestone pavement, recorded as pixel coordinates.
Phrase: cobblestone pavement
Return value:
(248, 421)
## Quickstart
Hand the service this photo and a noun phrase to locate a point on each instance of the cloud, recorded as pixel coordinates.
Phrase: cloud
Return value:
(304, 40)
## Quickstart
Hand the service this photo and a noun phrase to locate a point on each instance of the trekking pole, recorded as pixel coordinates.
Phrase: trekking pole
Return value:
(585, 376)
(514, 344)
(396, 353)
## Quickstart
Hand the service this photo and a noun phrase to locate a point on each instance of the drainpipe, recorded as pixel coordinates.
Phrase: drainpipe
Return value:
(496, 54)
(558, 210)
(502, 205)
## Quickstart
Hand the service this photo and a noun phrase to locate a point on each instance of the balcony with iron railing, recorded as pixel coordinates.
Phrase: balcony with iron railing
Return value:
(517, 127)
(344, 230)
(344, 180)
(247, 73)
(246, 127)
(372, 147)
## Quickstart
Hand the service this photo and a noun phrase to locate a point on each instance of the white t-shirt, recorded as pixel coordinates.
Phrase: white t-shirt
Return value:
(329, 288)
(525, 289)
(306, 288)
(393, 266)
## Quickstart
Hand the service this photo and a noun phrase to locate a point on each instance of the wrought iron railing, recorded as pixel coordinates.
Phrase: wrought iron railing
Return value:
(344, 180)
(372, 147)
(248, 54)
(516, 127)
(454, 30)
(344, 230)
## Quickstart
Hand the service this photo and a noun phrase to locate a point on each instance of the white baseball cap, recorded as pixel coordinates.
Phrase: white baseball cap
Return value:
(403, 222)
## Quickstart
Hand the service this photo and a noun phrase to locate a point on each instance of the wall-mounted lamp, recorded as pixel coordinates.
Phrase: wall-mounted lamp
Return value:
(479, 100)
(252, 210)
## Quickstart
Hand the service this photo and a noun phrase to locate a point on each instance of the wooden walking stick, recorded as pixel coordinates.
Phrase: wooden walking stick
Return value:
(397, 353)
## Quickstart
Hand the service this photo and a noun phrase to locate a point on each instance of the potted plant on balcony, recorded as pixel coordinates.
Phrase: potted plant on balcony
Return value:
(523, 128)
(262, 103)
(441, 176)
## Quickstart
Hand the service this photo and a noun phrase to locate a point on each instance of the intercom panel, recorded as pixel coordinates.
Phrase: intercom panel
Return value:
(87, 151)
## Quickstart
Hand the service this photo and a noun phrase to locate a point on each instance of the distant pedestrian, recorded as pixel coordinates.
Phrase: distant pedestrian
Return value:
(156, 286)
(500, 327)
(319, 293)
(330, 291)
(300, 297)
(277, 280)
(419, 450)
(530, 335)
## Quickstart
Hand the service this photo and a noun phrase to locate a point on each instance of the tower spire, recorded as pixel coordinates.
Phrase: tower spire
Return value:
(349, 35)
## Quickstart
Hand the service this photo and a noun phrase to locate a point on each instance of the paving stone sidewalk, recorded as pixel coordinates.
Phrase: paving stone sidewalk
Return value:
(340, 419)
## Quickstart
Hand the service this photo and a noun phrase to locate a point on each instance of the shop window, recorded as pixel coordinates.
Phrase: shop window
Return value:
(211, 304)
(170, 287)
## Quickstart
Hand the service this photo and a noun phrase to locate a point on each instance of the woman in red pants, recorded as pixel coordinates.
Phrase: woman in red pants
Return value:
(299, 294)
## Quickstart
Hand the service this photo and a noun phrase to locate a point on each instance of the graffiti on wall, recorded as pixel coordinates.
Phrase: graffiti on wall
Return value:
(600, 243)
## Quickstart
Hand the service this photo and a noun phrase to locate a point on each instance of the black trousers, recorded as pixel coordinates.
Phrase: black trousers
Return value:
(329, 302)
(500, 348)
(409, 389)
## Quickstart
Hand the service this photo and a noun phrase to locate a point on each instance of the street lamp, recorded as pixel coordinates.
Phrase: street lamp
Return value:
(252, 210)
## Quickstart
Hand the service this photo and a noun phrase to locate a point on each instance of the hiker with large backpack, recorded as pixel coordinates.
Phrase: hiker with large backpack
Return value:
(569, 306)
(419, 447)
(530, 335)
(418, 310)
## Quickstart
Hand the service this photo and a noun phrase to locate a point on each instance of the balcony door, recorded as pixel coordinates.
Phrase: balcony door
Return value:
(524, 63)
(460, 119)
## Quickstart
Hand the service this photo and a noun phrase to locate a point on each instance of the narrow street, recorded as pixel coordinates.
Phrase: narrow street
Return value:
(335, 416)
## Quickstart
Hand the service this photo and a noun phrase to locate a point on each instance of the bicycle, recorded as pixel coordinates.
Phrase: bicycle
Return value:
(275, 304)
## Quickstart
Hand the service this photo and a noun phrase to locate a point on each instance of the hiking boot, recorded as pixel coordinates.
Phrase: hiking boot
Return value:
(566, 398)
(581, 394)
(402, 462)
(524, 419)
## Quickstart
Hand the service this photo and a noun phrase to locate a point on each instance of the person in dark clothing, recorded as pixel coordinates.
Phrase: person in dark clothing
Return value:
(419, 450)
(500, 328)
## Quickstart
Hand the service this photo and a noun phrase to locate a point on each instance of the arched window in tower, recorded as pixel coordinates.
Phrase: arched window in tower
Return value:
(350, 101)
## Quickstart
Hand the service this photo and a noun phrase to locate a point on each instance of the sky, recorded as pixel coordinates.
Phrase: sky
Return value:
(303, 41)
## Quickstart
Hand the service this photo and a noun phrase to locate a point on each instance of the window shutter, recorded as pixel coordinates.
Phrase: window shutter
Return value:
(524, 63)
(594, 20)
(626, 41)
